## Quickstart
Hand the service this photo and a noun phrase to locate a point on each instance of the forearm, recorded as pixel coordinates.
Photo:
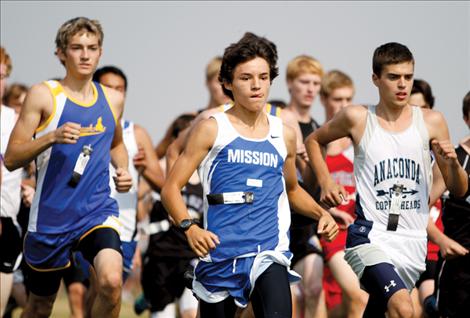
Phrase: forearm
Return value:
(153, 178)
(301, 165)
(434, 235)
(316, 160)
(172, 154)
(21, 154)
(438, 186)
(174, 203)
(119, 156)
(456, 180)
(304, 204)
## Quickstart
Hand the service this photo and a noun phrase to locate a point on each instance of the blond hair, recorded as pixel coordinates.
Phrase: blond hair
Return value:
(303, 64)
(333, 80)
(213, 68)
(5, 59)
(74, 26)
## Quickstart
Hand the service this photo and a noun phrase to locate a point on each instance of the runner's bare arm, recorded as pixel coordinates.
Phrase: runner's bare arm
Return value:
(299, 199)
(455, 177)
(38, 106)
(341, 125)
(200, 140)
(146, 161)
(119, 155)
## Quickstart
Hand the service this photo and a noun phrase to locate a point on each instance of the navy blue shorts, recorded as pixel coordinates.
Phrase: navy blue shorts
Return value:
(45, 281)
(46, 252)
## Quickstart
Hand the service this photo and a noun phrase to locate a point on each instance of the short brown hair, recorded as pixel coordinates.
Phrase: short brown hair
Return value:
(333, 80)
(74, 26)
(247, 48)
(390, 53)
(5, 59)
(303, 64)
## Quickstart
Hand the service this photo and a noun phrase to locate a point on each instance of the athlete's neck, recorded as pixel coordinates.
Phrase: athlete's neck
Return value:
(302, 113)
(80, 89)
(252, 124)
(212, 104)
(394, 117)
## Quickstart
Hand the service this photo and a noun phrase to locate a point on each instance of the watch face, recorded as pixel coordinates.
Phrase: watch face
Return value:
(185, 224)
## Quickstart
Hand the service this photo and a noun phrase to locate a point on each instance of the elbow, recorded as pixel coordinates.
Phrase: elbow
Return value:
(10, 163)
(309, 140)
(312, 144)
(459, 192)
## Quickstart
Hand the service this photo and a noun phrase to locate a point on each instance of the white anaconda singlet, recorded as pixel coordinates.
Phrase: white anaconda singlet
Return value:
(384, 159)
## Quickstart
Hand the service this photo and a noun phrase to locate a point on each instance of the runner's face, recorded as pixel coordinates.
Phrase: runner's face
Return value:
(216, 92)
(338, 99)
(82, 54)
(250, 84)
(113, 81)
(395, 83)
(417, 99)
(304, 88)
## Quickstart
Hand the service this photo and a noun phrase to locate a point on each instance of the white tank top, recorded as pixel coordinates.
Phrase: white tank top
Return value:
(127, 202)
(384, 159)
(11, 181)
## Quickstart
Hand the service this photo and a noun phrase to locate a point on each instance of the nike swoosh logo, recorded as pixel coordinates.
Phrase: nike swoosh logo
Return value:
(273, 137)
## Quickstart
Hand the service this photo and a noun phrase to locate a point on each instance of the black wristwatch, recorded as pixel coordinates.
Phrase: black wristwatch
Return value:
(186, 223)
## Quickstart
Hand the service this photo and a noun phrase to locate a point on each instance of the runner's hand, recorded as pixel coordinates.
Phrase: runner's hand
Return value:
(451, 249)
(332, 194)
(122, 180)
(327, 227)
(200, 240)
(68, 133)
(444, 149)
(27, 194)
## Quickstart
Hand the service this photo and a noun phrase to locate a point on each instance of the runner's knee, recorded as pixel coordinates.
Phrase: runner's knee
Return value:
(400, 305)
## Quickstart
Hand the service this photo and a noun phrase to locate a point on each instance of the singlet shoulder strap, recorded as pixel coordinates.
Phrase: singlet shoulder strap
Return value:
(224, 107)
(54, 87)
(371, 125)
(223, 123)
(275, 125)
(418, 122)
(57, 93)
